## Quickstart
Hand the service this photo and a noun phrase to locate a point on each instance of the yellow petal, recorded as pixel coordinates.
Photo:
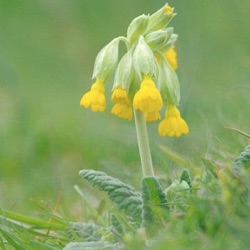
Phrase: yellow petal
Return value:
(152, 116)
(173, 124)
(148, 98)
(123, 111)
(95, 98)
(119, 95)
(171, 57)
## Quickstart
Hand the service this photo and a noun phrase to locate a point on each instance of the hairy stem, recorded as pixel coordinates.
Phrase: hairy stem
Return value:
(143, 144)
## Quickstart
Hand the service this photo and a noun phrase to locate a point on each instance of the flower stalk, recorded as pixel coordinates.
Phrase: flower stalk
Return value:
(143, 143)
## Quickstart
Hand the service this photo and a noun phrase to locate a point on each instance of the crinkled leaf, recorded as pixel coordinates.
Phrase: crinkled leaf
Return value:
(117, 226)
(125, 196)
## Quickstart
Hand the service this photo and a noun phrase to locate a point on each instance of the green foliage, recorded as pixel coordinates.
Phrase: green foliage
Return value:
(125, 197)
(155, 209)
(90, 246)
(27, 233)
(243, 161)
(186, 177)
(216, 210)
(117, 225)
(79, 231)
(13, 240)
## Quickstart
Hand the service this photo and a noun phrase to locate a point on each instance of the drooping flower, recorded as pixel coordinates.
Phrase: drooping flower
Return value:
(95, 98)
(119, 95)
(148, 97)
(171, 57)
(122, 107)
(123, 110)
(173, 125)
(152, 116)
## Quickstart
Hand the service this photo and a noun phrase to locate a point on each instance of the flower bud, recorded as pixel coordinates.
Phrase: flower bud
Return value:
(137, 27)
(157, 40)
(124, 71)
(160, 18)
(169, 84)
(106, 60)
(143, 59)
(171, 41)
(176, 190)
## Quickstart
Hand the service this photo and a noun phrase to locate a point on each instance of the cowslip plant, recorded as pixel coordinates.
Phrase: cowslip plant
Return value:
(145, 80)
(210, 210)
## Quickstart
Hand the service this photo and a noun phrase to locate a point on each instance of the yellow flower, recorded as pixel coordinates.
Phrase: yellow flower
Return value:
(95, 98)
(122, 107)
(148, 98)
(119, 95)
(123, 110)
(173, 124)
(171, 57)
(152, 116)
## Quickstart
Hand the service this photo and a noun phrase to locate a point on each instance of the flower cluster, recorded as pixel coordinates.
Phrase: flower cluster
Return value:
(145, 77)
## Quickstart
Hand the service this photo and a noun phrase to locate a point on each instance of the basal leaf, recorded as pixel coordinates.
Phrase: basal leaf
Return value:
(155, 208)
(116, 225)
(125, 196)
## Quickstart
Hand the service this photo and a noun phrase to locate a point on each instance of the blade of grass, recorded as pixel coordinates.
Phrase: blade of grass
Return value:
(174, 156)
(13, 240)
(31, 221)
(238, 131)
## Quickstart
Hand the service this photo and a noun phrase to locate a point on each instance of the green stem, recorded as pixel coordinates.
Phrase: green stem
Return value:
(143, 144)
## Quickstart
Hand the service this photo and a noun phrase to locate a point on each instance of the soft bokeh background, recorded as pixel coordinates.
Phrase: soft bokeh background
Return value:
(47, 52)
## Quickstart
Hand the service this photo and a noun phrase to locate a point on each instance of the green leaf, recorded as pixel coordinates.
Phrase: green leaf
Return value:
(116, 225)
(186, 177)
(125, 197)
(155, 208)
(32, 221)
(13, 240)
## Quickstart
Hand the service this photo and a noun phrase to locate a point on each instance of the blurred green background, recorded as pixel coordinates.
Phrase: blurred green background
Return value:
(47, 52)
